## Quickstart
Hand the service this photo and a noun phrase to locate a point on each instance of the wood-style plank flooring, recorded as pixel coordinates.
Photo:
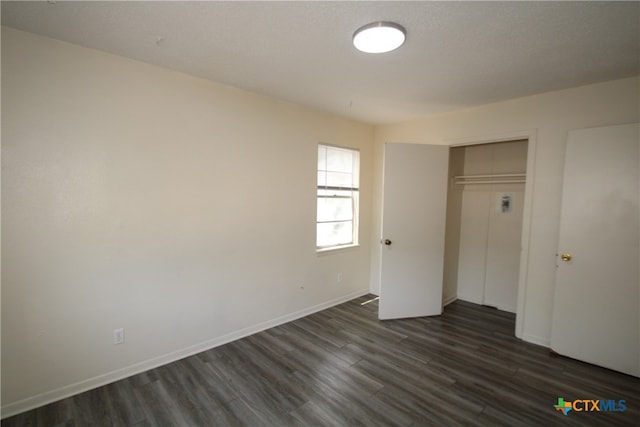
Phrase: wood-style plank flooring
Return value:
(344, 367)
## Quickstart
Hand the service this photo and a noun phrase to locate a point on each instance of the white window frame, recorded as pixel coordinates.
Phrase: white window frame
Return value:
(350, 190)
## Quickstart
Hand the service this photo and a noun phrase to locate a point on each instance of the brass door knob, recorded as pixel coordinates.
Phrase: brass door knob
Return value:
(565, 257)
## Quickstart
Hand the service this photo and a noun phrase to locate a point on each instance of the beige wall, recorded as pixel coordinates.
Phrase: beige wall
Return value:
(453, 225)
(138, 197)
(182, 210)
(548, 117)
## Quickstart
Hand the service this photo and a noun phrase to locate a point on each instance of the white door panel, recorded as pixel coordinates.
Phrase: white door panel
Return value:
(472, 258)
(597, 296)
(414, 213)
(503, 248)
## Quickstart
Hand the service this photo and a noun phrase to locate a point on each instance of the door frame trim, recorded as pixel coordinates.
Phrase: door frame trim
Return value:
(527, 215)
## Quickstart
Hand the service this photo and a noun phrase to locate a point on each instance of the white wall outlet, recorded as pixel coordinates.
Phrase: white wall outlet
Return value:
(118, 336)
(339, 278)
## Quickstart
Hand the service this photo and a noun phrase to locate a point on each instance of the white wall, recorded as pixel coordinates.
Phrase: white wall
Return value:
(138, 197)
(549, 116)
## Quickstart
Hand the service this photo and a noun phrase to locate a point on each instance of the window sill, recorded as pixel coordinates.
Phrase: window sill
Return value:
(336, 249)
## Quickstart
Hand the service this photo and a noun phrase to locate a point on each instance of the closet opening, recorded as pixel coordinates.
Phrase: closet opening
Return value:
(484, 226)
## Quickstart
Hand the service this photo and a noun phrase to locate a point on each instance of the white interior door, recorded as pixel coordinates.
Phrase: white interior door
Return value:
(597, 296)
(413, 226)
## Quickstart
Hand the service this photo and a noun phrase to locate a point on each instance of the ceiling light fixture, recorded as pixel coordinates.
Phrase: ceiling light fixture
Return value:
(379, 37)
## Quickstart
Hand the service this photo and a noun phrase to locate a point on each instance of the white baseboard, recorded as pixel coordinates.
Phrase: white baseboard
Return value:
(47, 397)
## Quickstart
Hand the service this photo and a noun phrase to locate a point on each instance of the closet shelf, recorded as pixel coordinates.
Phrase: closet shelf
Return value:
(503, 178)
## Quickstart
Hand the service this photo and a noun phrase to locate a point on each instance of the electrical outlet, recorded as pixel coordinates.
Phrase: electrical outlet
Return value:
(118, 336)
(339, 278)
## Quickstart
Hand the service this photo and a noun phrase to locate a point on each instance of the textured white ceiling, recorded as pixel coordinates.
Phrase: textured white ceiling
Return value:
(457, 54)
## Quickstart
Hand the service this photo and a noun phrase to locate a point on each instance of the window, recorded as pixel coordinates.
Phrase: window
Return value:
(338, 190)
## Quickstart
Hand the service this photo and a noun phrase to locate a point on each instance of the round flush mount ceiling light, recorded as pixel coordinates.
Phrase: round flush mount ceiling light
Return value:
(379, 37)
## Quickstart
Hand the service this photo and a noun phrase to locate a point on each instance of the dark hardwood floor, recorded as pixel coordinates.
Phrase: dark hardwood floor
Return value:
(344, 367)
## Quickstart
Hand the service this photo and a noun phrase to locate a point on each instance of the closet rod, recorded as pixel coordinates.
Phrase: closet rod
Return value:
(504, 181)
(498, 175)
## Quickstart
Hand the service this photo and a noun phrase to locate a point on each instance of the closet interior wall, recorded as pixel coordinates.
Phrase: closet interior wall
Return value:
(484, 224)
